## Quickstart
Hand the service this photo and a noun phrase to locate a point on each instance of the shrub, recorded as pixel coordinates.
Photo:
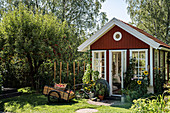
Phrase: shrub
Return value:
(135, 87)
(158, 88)
(152, 106)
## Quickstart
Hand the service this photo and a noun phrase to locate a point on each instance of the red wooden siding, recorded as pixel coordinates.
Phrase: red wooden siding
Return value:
(128, 41)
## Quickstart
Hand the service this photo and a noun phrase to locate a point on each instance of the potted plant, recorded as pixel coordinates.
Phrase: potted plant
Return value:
(101, 93)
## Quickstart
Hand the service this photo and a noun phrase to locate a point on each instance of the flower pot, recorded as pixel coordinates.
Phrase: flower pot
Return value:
(101, 97)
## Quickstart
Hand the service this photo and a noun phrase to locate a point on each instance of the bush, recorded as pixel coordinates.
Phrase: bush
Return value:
(152, 106)
(158, 88)
(135, 87)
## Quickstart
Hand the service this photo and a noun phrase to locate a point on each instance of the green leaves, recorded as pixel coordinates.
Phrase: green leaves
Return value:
(36, 38)
(152, 16)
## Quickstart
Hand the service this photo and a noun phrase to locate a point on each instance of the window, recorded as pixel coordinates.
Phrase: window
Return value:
(141, 62)
(166, 66)
(117, 36)
(99, 63)
(156, 58)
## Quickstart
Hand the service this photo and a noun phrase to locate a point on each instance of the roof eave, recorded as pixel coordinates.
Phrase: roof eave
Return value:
(164, 48)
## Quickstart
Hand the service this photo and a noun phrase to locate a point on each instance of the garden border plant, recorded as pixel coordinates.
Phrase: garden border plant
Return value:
(134, 87)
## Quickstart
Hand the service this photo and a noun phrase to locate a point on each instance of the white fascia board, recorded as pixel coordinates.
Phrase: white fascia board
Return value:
(137, 34)
(163, 48)
(97, 35)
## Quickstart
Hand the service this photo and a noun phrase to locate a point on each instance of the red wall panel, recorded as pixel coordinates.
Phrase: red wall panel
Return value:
(128, 41)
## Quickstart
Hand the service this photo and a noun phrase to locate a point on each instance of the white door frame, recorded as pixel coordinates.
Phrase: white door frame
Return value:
(123, 67)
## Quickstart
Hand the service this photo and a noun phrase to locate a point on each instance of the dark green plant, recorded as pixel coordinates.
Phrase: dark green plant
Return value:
(0, 82)
(128, 83)
(102, 92)
(158, 87)
(89, 73)
(135, 87)
(101, 89)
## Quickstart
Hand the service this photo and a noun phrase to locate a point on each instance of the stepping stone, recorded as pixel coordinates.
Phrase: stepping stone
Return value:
(86, 110)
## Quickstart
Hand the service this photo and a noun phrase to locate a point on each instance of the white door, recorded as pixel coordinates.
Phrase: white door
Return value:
(117, 67)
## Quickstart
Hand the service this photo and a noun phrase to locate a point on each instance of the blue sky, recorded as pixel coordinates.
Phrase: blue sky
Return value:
(117, 9)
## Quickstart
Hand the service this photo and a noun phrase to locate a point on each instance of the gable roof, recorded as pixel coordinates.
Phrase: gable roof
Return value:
(140, 34)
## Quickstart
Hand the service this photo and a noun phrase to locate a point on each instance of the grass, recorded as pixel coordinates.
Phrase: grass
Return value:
(38, 103)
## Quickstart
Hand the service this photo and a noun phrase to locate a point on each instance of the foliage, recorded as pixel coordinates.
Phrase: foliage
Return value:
(101, 89)
(147, 105)
(28, 40)
(89, 86)
(25, 90)
(87, 74)
(135, 87)
(161, 104)
(31, 103)
(152, 16)
(129, 74)
(0, 82)
(158, 88)
(90, 73)
(85, 15)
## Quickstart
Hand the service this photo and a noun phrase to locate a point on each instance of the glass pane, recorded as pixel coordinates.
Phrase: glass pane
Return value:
(136, 71)
(103, 76)
(102, 54)
(142, 63)
(142, 54)
(136, 63)
(102, 70)
(161, 60)
(166, 75)
(96, 55)
(135, 54)
(99, 63)
(96, 62)
(155, 58)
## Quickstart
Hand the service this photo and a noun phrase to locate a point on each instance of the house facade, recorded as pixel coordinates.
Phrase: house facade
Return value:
(116, 43)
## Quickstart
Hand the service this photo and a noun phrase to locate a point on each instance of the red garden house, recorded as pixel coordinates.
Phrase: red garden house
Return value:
(114, 44)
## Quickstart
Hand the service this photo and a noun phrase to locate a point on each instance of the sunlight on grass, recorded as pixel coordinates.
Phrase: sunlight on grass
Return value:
(38, 103)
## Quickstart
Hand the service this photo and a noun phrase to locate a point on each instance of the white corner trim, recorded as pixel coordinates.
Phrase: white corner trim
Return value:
(110, 71)
(122, 25)
(151, 66)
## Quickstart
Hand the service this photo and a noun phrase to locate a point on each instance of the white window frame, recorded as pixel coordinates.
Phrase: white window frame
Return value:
(93, 51)
(146, 58)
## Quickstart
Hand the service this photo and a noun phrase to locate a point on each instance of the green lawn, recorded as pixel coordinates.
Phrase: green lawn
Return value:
(38, 103)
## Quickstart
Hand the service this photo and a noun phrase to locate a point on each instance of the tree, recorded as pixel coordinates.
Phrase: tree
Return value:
(85, 15)
(34, 38)
(153, 16)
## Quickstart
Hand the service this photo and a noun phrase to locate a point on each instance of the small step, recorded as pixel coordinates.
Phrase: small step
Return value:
(9, 95)
(113, 98)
